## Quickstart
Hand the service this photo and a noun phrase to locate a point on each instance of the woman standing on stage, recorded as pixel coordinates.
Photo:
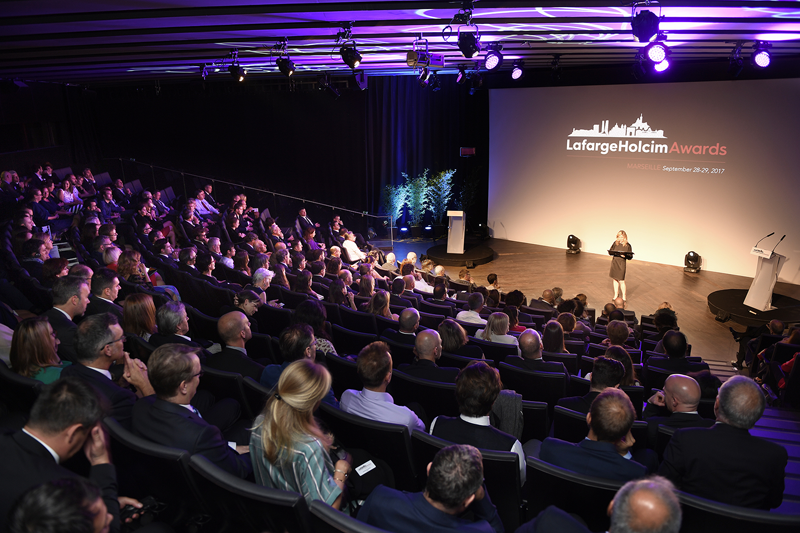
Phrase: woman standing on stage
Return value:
(618, 262)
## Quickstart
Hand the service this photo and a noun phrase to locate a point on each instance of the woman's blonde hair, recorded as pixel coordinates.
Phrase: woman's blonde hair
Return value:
(496, 324)
(32, 347)
(111, 255)
(288, 415)
(624, 239)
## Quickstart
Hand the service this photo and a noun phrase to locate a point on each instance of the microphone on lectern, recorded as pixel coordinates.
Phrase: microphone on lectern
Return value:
(762, 238)
(780, 241)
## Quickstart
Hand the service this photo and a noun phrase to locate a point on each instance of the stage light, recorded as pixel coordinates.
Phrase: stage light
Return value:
(462, 75)
(573, 245)
(761, 57)
(736, 62)
(494, 59)
(237, 72)
(518, 71)
(435, 83)
(468, 43)
(661, 67)
(285, 65)
(656, 52)
(692, 262)
(350, 55)
(644, 26)
(424, 78)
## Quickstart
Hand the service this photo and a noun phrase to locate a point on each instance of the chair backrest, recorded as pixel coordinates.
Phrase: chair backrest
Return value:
(292, 299)
(570, 360)
(326, 519)
(138, 348)
(701, 515)
(18, 393)
(578, 347)
(358, 321)
(654, 378)
(255, 395)
(535, 421)
(469, 327)
(495, 350)
(332, 310)
(436, 309)
(636, 395)
(663, 437)
(220, 296)
(203, 326)
(390, 442)
(430, 321)
(402, 354)
(224, 384)
(246, 506)
(569, 425)
(570, 491)
(578, 386)
(435, 397)
(344, 374)
(273, 320)
(765, 341)
(350, 342)
(783, 352)
(458, 361)
(500, 472)
(259, 347)
(536, 386)
(384, 323)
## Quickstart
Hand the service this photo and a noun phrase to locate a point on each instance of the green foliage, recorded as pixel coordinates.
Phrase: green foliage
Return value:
(417, 200)
(439, 194)
(393, 199)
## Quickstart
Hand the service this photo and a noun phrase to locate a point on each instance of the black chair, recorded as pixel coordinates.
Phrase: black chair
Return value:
(701, 515)
(500, 473)
(536, 422)
(578, 386)
(654, 378)
(459, 361)
(326, 519)
(41, 297)
(585, 496)
(586, 364)
(273, 320)
(255, 395)
(434, 397)
(344, 374)
(570, 360)
(203, 326)
(349, 342)
(247, 507)
(159, 298)
(332, 312)
(18, 393)
(706, 408)
(636, 395)
(390, 442)
(495, 350)
(225, 385)
(384, 323)
(402, 354)
(436, 309)
(578, 347)
(535, 386)
(138, 348)
(215, 298)
(148, 469)
(569, 425)
(292, 299)
(469, 327)
(259, 348)
(358, 321)
(430, 321)
(783, 352)
(662, 440)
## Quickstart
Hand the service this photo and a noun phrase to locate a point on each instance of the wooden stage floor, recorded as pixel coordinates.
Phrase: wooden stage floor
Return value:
(532, 268)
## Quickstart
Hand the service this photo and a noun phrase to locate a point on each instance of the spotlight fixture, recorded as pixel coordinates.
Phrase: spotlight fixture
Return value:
(461, 78)
(573, 245)
(494, 59)
(469, 43)
(644, 26)
(518, 70)
(204, 72)
(656, 52)
(350, 55)
(285, 65)
(692, 262)
(761, 57)
(324, 83)
(237, 72)
(736, 62)
(661, 67)
(424, 77)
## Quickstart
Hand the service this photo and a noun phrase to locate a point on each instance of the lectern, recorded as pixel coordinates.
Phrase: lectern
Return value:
(455, 235)
(769, 266)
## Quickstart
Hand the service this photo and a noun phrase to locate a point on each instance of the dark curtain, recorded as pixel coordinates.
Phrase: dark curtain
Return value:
(81, 121)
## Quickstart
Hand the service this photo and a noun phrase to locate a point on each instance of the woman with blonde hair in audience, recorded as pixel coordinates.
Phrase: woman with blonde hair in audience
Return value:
(302, 284)
(241, 262)
(366, 286)
(553, 338)
(34, 349)
(496, 330)
(111, 256)
(53, 269)
(139, 315)
(338, 294)
(379, 305)
(289, 450)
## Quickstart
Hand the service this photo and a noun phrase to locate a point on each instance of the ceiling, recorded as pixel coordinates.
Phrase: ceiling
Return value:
(95, 42)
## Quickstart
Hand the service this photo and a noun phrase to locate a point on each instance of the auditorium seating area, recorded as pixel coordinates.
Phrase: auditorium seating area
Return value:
(196, 495)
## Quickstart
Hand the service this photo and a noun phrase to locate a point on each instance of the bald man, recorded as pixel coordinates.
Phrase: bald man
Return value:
(708, 462)
(408, 322)
(530, 345)
(428, 349)
(234, 328)
(675, 407)
(391, 263)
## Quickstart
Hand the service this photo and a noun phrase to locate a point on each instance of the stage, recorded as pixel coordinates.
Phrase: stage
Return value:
(730, 303)
(532, 268)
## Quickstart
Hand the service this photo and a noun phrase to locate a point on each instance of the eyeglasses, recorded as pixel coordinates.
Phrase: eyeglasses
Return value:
(122, 338)
(199, 374)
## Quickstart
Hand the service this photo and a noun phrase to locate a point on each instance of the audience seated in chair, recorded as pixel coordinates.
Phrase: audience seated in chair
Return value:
(70, 298)
(472, 316)
(606, 373)
(427, 350)
(105, 289)
(675, 407)
(455, 340)
(496, 330)
(530, 344)
(33, 351)
(408, 323)
(234, 328)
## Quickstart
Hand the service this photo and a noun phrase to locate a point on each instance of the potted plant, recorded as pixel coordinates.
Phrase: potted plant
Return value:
(439, 193)
(416, 201)
(394, 198)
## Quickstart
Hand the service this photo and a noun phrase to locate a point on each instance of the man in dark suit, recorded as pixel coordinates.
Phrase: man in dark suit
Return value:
(708, 461)
(408, 322)
(455, 484)
(122, 195)
(234, 328)
(105, 289)
(164, 250)
(186, 261)
(317, 269)
(109, 208)
(66, 414)
(530, 344)
(70, 298)
(99, 245)
(605, 453)
(173, 327)
(398, 286)
(32, 257)
(545, 303)
(428, 349)
(249, 241)
(605, 373)
(169, 419)
(675, 407)
(676, 363)
(302, 222)
(99, 343)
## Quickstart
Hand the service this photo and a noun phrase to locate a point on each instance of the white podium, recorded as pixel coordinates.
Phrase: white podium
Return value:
(455, 235)
(769, 266)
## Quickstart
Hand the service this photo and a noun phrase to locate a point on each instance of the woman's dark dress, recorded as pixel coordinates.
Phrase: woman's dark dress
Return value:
(618, 264)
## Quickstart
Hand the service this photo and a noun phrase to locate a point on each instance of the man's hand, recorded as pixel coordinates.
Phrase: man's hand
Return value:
(136, 374)
(480, 493)
(242, 449)
(96, 447)
(124, 501)
(657, 399)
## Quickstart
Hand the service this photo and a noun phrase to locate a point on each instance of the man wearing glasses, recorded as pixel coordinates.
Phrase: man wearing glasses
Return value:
(99, 345)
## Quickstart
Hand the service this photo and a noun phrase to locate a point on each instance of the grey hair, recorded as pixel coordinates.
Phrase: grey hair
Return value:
(740, 407)
(168, 317)
(262, 273)
(625, 520)
(456, 474)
